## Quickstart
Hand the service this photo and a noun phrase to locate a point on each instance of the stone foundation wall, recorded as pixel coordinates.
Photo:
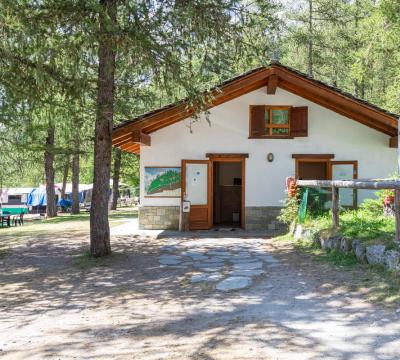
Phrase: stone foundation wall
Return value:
(159, 217)
(264, 218)
(167, 217)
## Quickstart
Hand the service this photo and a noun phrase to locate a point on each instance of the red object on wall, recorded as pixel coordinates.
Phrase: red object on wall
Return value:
(291, 186)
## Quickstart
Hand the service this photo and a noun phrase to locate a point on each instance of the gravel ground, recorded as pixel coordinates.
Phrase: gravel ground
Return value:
(55, 303)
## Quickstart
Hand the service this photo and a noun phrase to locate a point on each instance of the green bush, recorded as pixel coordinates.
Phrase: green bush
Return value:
(290, 211)
(367, 224)
(372, 206)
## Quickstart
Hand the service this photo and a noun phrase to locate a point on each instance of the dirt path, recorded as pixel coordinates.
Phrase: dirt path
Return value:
(57, 304)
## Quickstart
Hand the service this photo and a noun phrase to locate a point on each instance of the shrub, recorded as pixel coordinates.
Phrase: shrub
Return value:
(373, 206)
(290, 211)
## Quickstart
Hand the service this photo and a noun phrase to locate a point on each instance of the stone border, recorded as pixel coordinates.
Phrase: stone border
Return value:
(374, 254)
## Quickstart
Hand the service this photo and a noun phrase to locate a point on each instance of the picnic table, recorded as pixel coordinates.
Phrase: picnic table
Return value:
(5, 219)
(8, 219)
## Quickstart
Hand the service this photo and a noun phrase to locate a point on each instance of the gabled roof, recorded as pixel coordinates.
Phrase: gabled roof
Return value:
(129, 134)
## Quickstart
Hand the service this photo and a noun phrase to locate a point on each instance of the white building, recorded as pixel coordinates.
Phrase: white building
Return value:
(264, 126)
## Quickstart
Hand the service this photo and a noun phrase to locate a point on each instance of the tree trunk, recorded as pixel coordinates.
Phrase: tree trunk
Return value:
(115, 188)
(310, 39)
(75, 176)
(51, 208)
(99, 227)
(65, 177)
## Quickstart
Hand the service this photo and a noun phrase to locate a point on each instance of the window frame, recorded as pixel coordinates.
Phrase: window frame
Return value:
(271, 126)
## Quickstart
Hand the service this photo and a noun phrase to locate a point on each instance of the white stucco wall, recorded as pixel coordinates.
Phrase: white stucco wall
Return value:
(328, 132)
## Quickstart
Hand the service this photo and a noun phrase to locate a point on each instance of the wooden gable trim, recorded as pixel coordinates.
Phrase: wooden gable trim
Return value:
(342, 110)
(272, 77)
(272, 84)
(333, 99)
(182, 111)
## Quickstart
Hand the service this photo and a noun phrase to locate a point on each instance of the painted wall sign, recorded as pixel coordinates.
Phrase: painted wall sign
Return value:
(162, 181)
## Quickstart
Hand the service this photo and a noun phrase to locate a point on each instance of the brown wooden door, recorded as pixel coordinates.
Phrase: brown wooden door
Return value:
(197, 188)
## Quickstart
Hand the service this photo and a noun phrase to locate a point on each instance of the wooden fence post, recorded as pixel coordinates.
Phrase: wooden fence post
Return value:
(335, 206)
(397, 213)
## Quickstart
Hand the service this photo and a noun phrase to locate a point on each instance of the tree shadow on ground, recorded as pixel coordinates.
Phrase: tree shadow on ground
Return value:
(127, 305)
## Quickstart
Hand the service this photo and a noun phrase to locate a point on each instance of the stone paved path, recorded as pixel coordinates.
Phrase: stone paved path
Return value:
(229, 266)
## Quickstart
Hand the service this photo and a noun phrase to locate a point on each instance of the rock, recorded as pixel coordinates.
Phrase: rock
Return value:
(248, 266)
(359, 251)
(392, 259)
(375, 254)
(323, 243)
(234, 283)
(205, 277)
(169, 259)
(247, 272)
(332, 243)
(345, 245)
(298, 233)
(269, 259)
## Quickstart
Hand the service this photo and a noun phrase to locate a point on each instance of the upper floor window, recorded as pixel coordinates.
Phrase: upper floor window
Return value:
(278, 121)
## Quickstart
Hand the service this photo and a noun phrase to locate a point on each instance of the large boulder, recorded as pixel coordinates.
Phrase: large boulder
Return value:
(359, 250)
(392, 259)
(375, 254)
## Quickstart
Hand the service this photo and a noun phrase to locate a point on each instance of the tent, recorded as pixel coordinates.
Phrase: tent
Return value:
(37, 197)
(83, 189)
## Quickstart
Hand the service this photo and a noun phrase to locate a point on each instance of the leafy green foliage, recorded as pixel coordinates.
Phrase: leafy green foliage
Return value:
(367, 224)
(289, 212)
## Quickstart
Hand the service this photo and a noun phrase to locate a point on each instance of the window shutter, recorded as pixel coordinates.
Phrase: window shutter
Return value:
(257, 120)
(299, 121)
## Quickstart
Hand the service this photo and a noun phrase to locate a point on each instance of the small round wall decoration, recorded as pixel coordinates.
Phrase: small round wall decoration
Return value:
(270, 157)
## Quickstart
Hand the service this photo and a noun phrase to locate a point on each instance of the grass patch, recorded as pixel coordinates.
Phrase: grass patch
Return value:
(363, 224)
(86, 261)
(334, 257)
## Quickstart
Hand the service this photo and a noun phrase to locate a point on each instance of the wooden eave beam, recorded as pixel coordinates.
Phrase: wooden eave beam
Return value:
(335, 98)
(393, 142)
(136, 137)
(122, 140)
(141, 138)
(272, 84)
(130, 147)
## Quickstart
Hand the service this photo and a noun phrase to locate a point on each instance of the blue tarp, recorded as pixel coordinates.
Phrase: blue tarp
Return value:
(64, 203)
(68, 198)
(37, 197)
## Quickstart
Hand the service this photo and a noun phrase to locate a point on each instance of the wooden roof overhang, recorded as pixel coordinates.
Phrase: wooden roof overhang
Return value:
(129, 135)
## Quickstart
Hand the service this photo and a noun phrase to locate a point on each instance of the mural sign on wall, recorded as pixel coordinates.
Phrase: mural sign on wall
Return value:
(162, 181)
